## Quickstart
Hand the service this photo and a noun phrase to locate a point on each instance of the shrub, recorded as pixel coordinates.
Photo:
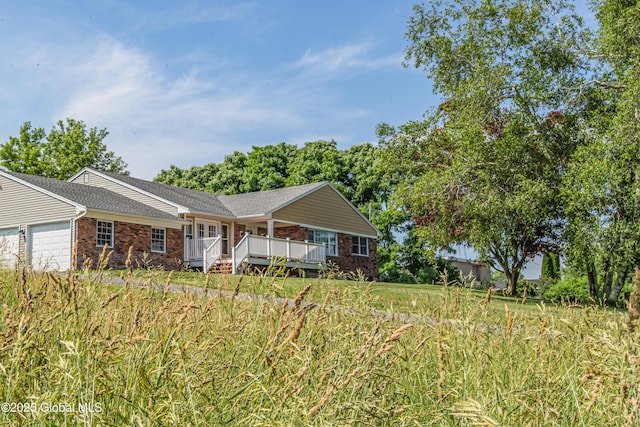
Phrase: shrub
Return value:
(397, 275)
(572, 289)
(531, 288)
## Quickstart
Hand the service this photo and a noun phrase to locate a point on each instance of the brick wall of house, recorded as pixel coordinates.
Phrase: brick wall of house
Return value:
(294, 232)
(348, 262)
(238, 232)
(126, 235)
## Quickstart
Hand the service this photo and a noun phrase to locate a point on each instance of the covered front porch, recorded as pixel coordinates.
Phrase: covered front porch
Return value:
(254, 247)
(255, 250)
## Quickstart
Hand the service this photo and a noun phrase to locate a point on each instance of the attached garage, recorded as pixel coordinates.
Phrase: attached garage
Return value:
(50, 212)
(50, 246)
(9, 249)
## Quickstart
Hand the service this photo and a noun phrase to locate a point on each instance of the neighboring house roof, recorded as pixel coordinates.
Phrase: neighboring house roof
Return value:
(193, 200)
(262, 203)
(91, 198)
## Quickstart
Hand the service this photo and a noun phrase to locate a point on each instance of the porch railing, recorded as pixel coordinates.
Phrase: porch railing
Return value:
(251, 246)
(193, 249)
(212, 252)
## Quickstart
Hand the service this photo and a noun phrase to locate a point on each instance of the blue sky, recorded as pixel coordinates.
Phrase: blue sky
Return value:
(188, 82)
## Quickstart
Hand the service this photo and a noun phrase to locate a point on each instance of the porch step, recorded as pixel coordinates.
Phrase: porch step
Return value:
(221, 267)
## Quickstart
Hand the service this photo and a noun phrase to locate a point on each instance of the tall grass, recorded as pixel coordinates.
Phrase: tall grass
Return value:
(148, 357)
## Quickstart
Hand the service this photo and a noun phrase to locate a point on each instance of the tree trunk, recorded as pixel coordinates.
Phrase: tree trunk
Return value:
(617, 287)
(512, 279)
(592, 277)
(607, 281)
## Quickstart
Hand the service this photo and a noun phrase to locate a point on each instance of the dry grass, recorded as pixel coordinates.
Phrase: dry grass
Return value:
(156, 358)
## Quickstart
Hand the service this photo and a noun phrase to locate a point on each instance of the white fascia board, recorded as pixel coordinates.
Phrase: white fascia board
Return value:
(141, 218)
(201, 214)
(255, 217)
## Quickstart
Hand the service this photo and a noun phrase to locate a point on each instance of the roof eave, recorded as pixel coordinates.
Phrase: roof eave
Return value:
(196, 213)
(173, 219)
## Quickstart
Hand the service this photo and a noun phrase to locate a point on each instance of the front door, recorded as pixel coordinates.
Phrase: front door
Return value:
(225, 239)
(205, 229)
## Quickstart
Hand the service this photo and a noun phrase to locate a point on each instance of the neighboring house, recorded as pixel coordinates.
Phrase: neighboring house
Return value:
(308, 226)
(476, 270)
(50, 224)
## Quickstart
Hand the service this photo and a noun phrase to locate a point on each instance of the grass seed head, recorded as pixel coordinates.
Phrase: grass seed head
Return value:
(300, 297)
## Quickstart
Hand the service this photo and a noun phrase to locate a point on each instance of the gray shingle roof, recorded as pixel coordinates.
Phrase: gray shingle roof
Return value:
(246, 204)
(262, 202)
(195, 201)
(96, 198)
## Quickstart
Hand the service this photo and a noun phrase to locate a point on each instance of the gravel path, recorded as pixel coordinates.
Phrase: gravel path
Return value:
(243, 296)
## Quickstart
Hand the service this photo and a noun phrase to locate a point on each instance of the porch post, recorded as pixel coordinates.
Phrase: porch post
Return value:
(234, 270)
(269, 251)
(270, 228)
(288, 249)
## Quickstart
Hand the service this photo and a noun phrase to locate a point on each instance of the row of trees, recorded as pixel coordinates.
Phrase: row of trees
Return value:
(535, 146)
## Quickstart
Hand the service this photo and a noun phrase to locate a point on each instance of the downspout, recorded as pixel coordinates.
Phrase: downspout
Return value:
(74, 247)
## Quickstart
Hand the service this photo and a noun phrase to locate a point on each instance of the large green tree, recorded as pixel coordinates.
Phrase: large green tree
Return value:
(602, 185)
(485, 167)
(316, 161)
(268, 167)
(67, 148)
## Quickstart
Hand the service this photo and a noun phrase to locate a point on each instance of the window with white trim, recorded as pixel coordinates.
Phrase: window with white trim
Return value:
(158, 239)
(360, 245)
(104, 233)
(330, 240)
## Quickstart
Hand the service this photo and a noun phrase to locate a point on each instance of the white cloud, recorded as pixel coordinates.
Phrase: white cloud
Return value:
(173, 15)
(155, 120)
(157, 115)
(348, 58)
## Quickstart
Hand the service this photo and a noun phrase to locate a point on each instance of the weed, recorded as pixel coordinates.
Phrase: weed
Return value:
(149, 356)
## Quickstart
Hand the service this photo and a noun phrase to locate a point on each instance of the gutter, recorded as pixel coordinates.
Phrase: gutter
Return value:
(74, 235)
(172, 219)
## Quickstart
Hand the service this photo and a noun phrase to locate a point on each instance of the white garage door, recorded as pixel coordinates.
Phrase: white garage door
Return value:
(8, 247)
(50, 246)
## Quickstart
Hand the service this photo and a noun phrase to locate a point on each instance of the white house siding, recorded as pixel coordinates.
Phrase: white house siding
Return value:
(99, 181)
(24, 205)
